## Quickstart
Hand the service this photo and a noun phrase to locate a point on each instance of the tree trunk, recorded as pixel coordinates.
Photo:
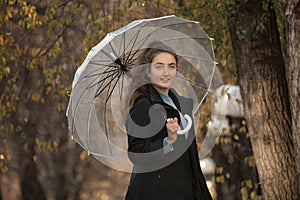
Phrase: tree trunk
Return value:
(293, 74)
(261, 75)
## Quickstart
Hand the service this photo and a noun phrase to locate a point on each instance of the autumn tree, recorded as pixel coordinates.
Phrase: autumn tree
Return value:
(265, 42)
(270, 89)
(292, 65)
(43, 42)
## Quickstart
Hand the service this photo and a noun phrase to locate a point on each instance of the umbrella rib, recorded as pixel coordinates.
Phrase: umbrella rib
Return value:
(133, 41)
(103, 86)
(88, 128)
(120, 88)
(187, 56)
(115, 58)
(197, 58)
(108, 55)
(107, 77)
(73, 120)
(193, 83)
(99, 73)
(214, 68)
(124, 44)
(113, 50)
(75, 109)
(129, 57)
(105, 128)
(101, 82)
(98, 63)
(109, 73)
(91, 73)
(143, 40)
(109, 92)
(159, 29)
(198, 106)
(112, 76)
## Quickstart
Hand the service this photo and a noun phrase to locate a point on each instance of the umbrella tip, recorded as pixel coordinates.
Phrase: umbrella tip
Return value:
(211, 39)
(68, 93)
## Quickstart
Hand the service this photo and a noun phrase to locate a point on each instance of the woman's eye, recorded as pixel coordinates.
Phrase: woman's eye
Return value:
(159, 66)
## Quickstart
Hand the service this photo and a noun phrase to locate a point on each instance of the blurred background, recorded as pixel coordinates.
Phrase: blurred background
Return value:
(43, 43)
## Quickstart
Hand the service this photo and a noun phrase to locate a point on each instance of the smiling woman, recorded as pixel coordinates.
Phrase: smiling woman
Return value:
(166, 165)
(163, 72)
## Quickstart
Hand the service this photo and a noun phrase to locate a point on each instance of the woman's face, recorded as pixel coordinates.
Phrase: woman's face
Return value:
(163, 71)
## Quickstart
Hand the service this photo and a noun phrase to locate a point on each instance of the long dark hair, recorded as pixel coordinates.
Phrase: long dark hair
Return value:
(140, 77)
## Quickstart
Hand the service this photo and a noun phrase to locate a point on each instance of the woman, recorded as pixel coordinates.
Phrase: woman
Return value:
(166, 165)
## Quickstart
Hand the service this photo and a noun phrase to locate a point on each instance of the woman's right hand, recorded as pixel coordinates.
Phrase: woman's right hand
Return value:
(172, 128)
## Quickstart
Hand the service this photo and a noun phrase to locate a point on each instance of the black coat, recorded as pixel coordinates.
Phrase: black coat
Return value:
(157, 176)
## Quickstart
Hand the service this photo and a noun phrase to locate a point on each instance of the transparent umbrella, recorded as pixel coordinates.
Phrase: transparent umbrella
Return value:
(97, 102)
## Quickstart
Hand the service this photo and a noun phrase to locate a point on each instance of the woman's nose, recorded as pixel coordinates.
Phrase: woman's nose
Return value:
(166, 70)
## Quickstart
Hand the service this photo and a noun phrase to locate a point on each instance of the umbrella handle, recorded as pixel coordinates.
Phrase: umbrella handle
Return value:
(188, 126)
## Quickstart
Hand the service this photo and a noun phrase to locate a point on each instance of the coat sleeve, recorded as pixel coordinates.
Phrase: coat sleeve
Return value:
(145, 126)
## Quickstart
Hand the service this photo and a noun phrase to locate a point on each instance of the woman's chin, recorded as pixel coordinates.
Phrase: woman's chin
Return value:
(162, 88)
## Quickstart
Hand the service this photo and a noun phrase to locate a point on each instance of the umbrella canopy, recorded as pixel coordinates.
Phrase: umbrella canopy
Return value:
(100, 86)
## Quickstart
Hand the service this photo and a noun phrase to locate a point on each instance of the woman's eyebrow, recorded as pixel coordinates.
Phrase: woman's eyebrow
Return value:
(160, 63)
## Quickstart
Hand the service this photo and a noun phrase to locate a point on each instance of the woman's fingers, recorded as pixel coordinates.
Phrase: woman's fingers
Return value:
(172, 120)
(172, 128)
(173, 125)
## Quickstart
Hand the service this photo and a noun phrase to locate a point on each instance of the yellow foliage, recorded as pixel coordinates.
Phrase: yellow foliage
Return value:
(247, 135)
(220, 179)
(35, 97)
(8, 156)
(227, 140)
(250, 161)
(104, 196)
(243, 129)
(83, 155)
(25, 147)
(253, 196)
(11, 2)
(227, 175)
(6, 71)
(244, 193)
(26, 119)
(49, 145)
(3, 167)
(223, 62)
(9, 13)
(49, 90)
(218, 140)
(1, 41)
(219, 170)
(236, 136)
(22, 24)
(249, 184)
(34, 158)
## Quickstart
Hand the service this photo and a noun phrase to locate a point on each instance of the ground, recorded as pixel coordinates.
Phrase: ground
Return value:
(106, 184)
